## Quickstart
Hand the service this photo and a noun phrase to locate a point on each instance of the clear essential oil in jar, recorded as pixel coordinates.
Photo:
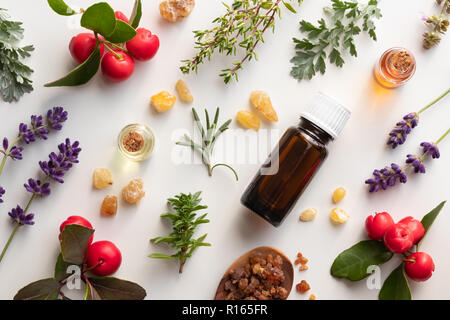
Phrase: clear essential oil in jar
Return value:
(395, 67)
(293, 163)
(136, 142)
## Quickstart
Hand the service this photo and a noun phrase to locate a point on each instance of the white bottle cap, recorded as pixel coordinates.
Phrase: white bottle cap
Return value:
(328, 114)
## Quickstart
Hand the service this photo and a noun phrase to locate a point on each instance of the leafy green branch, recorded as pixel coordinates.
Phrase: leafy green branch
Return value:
(242, 26)
(184, 222)
(347, 19)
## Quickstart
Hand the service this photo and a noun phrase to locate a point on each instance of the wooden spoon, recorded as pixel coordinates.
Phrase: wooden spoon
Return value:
(287, 268)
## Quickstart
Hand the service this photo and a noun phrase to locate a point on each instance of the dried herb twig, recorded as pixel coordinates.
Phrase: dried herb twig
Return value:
(184, 223)
(437, 24)
(242, 26)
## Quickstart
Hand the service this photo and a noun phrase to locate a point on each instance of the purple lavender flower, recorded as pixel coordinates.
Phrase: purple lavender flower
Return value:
(431, 148)
(38, 127)
(15, 153)
(55, 117)
(416, 163)
(58, 165)
(17, 215)
(2, 193)
(5, 144)
(26, 134)
(399, 134)
(37, 188)
(386, 177)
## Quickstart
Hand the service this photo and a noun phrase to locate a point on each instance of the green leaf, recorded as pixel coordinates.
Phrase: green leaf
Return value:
(396, 286)
(74, 242)
(122, 33)
(61, 268)
(267, 5)
(81, 74)
(352, 263)
(45, 289)
(136, 14)
(99, 17)
(429, 218)
(61, 8)
(161, 256)
(91, 293)
(110, 288)
(335, 57)
(289, 7)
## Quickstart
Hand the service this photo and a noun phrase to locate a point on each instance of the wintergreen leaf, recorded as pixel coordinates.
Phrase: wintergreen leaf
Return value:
(61, 268)
(110, 288)
(122, 33)
(352, 263)
(81, 74)
(429, 218)
(74, 243)
(45, 289)
(396, 286)
(61, 8)
(91, 293)
(100, 18)
(136, 14)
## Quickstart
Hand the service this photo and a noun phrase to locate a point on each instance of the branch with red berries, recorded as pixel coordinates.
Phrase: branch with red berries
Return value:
(389, 238)
(111, 31)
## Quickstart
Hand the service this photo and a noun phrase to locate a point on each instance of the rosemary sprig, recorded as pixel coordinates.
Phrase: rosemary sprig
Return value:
(209, 138)
(242, 26)
(347, 20)
(184, 223)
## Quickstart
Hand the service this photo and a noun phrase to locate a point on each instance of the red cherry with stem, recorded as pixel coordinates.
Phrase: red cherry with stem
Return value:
(121, 16)
(415, 226)
(76, 220)
(103, 258)
(419, 266)
(117, 65)
(144, 45)
(398, 238)
(82, 45)
(377, 225)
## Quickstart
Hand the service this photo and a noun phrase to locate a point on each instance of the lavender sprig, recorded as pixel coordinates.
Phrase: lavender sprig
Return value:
(2, 193)
(53, 169)
(388, 176)
(403, 128)
(37, 129)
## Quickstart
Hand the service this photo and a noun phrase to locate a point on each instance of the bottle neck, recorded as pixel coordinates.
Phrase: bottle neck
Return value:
(314, 131)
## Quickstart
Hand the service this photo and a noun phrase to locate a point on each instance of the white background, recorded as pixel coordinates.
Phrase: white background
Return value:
(99, 110)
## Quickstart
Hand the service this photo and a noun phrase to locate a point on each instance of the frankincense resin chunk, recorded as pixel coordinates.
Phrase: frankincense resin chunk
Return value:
(176, 10)
(134, 191)
(183, 91)
(260, 100)
(102, 178)
(163, 101)
(248, 120)
(109, 206)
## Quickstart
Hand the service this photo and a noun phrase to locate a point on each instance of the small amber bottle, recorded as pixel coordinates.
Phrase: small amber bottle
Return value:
(292, 164)
(395, 67)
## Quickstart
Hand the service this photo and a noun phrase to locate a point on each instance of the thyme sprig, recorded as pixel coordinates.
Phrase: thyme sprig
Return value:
(184, 222)
(347, 19)
(242, 26)
(209, 139)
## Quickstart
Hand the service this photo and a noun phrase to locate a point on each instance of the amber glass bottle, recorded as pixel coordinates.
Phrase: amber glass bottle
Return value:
(292, 164)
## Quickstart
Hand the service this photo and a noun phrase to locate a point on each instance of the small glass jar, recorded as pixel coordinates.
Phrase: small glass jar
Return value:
(395, 67)
(136, 141)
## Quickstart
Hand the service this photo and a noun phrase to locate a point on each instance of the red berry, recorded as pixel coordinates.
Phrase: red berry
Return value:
(419, 266)
(115, 68)
(376, 225)
(415, 226)
(82, 45)
(105, 257)
(76, 220)
(121, 16)
(144, 45)
(398, 238)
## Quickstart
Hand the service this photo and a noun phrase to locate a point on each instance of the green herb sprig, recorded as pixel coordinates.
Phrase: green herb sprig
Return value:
(184, 222)
(209, 138)
(437, 24)
(243, 26)
(14, 75)
(347, 19)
